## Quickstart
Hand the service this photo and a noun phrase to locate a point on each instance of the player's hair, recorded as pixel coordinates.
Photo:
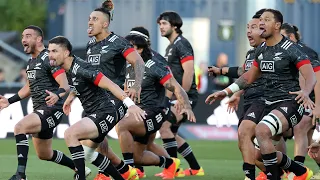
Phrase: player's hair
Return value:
(173, 18)
(63, 42)
(141, 31)
(109, 6)
(258, 13)
(36, 29)
(104, 11)
(277, 15)
(140, 42)
(291, 29)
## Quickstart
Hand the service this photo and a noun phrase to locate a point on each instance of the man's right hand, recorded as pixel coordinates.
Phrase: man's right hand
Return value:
(3, 102)
(215, 96)
(214, 71)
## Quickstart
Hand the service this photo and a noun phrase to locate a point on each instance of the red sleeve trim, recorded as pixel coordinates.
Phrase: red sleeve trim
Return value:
(57, 73)
(187, 58)
(316, 69)
(98, 78)
(165, 79)
(303, 62)
(127, 52)
(256, 64)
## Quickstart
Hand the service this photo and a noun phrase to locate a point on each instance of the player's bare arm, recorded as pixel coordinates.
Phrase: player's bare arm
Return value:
(233, 72)
(173, 86)
(135, 59)
(68, 102)
(241, 83)
(310, 81)
(64, 88)
(187, 78)
(107, 84)
(22, 93)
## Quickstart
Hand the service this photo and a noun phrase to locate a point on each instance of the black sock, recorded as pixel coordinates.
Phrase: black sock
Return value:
(270, 162)
(186, 152)
(77, 155)
(22, 152)
(249, 170)
(280, 172)
(128, 158)
(104, 164)
(287, 164)
(122, 167)
(139, 167)
(171, 147)
(318, 165)
(165, 162)
(60, 158)
(103, 172)
(299, 159)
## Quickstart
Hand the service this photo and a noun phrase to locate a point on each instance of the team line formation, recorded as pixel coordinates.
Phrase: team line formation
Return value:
(123, 83)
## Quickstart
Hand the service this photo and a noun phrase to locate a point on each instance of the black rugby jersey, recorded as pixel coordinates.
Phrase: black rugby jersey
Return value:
(84, 82)
(177, 53)
(41, 76)
(255, 91)
(109, 56)
(152, 89)
(280, 65)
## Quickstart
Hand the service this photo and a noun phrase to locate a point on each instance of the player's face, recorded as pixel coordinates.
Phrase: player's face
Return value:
(97, 23)
(57, 54)
(267, 24)
(165, 28)
(253, 32)
(29, 40)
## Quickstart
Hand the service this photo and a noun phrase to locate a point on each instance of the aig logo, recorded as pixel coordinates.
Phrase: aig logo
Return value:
(94, 59)
(248, 65)
(130, 83)
(267, 66)
(31, 74)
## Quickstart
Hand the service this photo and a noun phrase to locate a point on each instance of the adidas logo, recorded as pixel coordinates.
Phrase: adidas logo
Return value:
(246, 172)
(269, 174)
(20, 156)
(285, 109)
(40, 111)
(252, 115)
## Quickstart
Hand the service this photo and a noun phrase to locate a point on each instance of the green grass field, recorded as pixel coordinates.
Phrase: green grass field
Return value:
(221, 160)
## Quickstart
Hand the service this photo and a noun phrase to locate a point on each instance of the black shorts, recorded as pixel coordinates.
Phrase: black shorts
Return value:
(120, 107)
(152, 123)
(253, 112)
(104, 122)
(50, 118)
(292, 111)
(175, 126)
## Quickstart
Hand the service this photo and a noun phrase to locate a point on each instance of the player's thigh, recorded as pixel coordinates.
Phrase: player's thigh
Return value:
(83, 129)
(28, 125)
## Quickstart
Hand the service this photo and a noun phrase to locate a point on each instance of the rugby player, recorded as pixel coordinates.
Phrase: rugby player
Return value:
(100, 116)
(46, 85)
(179, 55)
(278, 60)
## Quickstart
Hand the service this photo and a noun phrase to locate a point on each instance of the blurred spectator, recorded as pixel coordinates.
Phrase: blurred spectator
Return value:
(221, 82)
(2, 76)
(22, 78)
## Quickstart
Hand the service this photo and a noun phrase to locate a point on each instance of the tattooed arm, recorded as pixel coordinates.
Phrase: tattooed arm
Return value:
(173, 86)
(135, 59)
(240, 70)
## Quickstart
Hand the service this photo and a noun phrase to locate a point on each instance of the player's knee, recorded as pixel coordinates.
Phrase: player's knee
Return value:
(90, 154)
(19, 129)
(269, 126)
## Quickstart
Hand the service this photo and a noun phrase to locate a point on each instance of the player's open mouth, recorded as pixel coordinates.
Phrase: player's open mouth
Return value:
(25, 47)
(89, 30)
(52, 62)
(262, 29)
(251, 40)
